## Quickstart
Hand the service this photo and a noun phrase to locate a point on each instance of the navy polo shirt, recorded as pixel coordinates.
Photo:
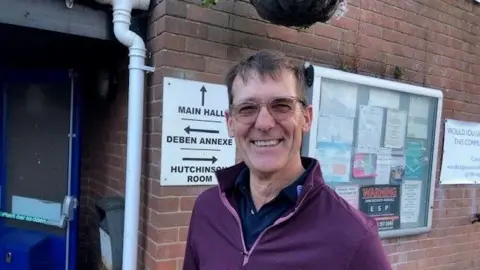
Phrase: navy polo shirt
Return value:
(255, 222)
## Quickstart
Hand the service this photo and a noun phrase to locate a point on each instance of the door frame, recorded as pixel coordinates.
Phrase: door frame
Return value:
(44, 76)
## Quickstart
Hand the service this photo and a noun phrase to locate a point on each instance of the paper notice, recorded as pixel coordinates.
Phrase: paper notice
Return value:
(410, 201)
(364, 165)
(396, 125)
(415, 159)
(397, 168)
(349, 193)
(381, 202)
(419, 106)
(369, 129)
(418, 117)
(335, 160)
(384, 98)
(461, 155)
(384, 158)
(338, 99)
(335, 129)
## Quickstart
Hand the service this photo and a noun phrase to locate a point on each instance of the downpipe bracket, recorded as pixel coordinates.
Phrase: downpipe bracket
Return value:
(145, 68)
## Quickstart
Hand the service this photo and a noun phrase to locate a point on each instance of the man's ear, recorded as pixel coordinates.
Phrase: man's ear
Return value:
(230, 128)
(308, 117)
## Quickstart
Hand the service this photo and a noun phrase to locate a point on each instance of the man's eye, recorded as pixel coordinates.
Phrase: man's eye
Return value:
(247, 109)
(281, 107)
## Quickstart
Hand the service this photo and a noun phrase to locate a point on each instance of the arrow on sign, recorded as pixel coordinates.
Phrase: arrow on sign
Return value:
(203, 90)
(188, 130)
(213, 159)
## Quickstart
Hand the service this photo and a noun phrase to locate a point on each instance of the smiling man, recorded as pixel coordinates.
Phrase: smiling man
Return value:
(273, 210)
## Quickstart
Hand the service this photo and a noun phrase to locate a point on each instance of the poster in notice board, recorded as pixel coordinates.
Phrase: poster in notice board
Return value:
(382, 202)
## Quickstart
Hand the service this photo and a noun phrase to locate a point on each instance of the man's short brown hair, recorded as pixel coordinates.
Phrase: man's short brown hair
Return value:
(266, 64)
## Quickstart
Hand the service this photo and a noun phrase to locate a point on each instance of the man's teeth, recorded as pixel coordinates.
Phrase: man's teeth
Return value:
(266, 143)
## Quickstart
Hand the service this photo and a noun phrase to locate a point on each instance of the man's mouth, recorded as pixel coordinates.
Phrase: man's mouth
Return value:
(266, 143)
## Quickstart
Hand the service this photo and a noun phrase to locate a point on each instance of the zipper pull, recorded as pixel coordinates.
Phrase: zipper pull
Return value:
(299, 190)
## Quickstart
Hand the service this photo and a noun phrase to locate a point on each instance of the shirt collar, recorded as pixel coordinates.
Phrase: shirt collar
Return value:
(291, 191)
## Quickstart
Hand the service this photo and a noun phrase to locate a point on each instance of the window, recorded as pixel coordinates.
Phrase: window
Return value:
(376, 141)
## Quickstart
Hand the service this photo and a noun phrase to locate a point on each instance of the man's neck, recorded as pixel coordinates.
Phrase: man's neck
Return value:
(265, 187)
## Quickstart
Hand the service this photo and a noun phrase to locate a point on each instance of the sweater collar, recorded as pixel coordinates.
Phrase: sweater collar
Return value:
(227, 178)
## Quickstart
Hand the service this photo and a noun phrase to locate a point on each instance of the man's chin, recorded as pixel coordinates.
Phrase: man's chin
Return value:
(266, 165)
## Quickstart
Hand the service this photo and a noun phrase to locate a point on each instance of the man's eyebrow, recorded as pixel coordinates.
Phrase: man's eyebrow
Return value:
(249, 99)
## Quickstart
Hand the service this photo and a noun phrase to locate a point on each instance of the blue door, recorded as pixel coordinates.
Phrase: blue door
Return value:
(39, 169)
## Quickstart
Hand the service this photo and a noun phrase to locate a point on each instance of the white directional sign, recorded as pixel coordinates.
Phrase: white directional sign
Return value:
(195, 142)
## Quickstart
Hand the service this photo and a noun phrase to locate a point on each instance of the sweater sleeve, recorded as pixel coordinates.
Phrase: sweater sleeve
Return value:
(190, 259)
(370, 253)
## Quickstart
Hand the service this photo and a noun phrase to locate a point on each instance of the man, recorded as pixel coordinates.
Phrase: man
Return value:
(273, 211)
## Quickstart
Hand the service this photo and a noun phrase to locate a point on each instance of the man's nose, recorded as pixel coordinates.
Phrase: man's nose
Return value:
(265, 120)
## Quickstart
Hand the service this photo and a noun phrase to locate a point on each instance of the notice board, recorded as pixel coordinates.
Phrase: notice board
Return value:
(377, 143)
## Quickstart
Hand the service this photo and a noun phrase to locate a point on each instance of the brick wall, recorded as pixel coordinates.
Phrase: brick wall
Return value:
(435, 42)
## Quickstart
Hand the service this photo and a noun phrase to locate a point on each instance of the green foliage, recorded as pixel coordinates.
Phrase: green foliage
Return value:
(343, 65)
(207, 3)
(398, 73)
(301, 28)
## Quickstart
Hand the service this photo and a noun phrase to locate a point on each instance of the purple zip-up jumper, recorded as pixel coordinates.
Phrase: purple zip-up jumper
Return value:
(323, 232)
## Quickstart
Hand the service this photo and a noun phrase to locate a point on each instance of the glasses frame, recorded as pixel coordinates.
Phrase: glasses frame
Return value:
(236, 115)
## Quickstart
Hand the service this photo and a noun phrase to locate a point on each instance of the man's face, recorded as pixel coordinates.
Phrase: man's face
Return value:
(270, 141)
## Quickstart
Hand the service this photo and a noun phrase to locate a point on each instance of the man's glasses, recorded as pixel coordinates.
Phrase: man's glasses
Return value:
(279, 108)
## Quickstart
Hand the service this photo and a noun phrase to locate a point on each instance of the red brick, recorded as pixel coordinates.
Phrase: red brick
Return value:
(345, 23)
(323, 57)
(179, 60)
(183, 27)
(170, 251)
(207, 48)
(245, 9)
(155, 109)
(235, 53)
(169, 41)
(370, 30)
(175, 8)
(394, 12)
(204, 77)
(378, 19)
(220, 35)
(313, 41)
(167, 265)
(411, 29)
(179, 264)
(329, 31)
(248, 26)
(149, 262)
(186, 203)
(217, 66)
(183, 234)
(281, 33)
(415, 42)
(343, 49)
(353, 12)
(169, 220)
(166, 204)
(298, 51)
(261, 43)
(393, 36)
(157, 12)
(207, 15)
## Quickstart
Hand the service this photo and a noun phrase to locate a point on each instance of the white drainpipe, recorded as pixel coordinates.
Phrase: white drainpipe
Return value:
(137, 52)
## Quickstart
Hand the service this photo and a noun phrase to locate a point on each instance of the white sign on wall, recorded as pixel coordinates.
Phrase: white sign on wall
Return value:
(195, 141)
(461, 153)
